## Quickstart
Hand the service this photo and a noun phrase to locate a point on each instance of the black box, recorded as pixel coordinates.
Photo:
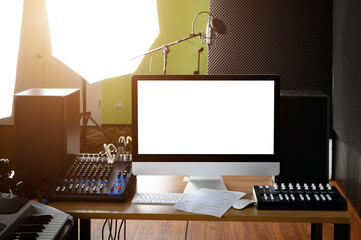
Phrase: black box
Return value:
(304, 139)
(47, 126)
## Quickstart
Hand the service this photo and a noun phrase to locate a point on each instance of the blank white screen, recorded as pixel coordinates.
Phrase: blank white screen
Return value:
(205, 117)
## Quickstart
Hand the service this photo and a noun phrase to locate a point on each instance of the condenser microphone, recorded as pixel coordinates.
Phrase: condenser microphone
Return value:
(209, 35)
(214, 25)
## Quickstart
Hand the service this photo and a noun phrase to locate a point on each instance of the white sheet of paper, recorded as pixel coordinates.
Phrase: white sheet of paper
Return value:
(209, 201)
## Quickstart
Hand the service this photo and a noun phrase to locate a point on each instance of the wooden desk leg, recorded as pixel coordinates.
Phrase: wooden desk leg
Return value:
(73, 235)
(316, 231)
(342, 231)
(85, 229)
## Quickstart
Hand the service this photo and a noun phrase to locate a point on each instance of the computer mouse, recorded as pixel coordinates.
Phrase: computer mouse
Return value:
(242, 203)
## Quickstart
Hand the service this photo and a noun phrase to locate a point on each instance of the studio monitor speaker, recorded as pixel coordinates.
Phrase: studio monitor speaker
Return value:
(304, 138)
(47, 132)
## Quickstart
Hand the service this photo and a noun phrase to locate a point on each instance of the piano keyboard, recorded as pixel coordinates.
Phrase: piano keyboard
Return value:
(40, 226)
(34, 221)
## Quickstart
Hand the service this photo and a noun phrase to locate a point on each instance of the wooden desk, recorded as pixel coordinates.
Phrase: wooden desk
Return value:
(126, 210)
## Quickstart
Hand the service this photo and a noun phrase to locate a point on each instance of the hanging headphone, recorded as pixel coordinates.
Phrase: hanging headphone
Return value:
(10, 184)
(6, 182)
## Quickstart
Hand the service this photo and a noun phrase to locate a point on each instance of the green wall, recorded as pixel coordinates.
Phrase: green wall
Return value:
(175, 22)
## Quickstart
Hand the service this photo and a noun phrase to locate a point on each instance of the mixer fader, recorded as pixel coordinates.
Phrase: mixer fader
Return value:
(297, 196)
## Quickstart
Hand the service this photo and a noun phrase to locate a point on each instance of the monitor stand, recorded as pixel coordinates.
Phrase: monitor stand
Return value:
(197, 182)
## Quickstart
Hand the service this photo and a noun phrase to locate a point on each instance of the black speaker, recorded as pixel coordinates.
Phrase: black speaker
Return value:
(47, 132)
(304, 139)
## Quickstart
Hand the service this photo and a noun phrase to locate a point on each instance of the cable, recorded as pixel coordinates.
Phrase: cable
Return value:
(121, 142)
(150, 64)
(121, 139)
(195, 18)
(110, 156)
(194, 46)
(115, 229)
(127, 155)
(105, 222)
(110, 223)
(122, 131)
(120, 227)
(108, 153)
(112, 145)
(95, 134)
(186, 230)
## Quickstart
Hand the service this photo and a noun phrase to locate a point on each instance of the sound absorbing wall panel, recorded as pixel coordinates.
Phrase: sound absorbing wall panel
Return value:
(290, 38)
(347, 98)
(347, 72)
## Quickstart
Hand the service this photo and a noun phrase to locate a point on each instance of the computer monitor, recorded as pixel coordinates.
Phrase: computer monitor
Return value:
(206, 126)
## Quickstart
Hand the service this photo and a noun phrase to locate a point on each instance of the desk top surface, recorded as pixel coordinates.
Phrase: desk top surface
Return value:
(127, 210)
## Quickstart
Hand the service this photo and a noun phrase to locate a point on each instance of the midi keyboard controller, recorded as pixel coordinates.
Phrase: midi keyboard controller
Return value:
(299, 197)
(92, 178)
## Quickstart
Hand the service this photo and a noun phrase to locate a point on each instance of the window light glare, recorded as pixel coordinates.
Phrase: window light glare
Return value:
(97, 39)
(10, 27)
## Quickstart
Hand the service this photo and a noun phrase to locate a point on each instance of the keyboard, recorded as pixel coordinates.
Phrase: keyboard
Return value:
(296, 196)
(159, 198)
(21, 218)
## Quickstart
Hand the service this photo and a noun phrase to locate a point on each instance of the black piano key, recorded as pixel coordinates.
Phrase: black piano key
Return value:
(23, 238)
(30, 229)
(25, 235)
(32, 225)
(41, 219)
(45, 216)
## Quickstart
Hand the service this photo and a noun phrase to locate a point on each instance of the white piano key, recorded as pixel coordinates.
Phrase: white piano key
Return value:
(53, 227)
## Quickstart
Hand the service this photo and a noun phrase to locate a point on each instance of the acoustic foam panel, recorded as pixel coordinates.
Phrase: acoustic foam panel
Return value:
(290, 38)
(347, 72)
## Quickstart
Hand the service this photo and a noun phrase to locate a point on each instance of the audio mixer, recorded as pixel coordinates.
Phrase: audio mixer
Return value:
(92, 177)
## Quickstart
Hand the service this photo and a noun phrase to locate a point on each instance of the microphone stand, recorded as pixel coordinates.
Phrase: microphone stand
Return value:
(165, 49)
(199, 60)
(86, 116)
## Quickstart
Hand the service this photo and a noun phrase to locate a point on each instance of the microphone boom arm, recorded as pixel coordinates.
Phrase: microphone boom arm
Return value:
(165, 49)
